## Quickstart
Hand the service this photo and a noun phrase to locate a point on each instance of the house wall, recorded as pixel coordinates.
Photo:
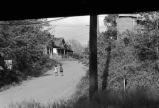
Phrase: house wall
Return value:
(51, 53)
(125, 23)
(55, 51)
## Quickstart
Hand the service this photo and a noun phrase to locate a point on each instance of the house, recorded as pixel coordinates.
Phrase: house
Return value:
(127, 22)
(57, 47)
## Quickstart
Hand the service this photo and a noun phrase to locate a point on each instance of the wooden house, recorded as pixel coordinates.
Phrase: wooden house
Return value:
(57, 47)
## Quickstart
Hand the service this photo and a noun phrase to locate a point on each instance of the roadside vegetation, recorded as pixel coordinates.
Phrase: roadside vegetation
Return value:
(23, 43)
(80, 53)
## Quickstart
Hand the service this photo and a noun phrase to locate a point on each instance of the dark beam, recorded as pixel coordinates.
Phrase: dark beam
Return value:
(58, 8)
(93, 84)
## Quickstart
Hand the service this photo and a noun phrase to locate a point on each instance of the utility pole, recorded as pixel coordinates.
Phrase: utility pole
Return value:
(93, 82)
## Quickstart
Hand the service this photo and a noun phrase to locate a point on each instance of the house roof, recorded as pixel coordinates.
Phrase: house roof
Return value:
(59, 43)
(128, 15)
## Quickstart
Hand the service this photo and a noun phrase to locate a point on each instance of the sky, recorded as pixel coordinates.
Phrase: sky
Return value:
(74, 28)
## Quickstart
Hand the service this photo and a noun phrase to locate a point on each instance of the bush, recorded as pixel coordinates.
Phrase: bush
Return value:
(140, 66)
(77, 56)
(145, 45)
(22, 69)
(10, 76)
(24, 44)
(145, 54)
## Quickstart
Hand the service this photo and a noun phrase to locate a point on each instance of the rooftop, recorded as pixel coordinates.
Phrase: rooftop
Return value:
(59, 43)
(128, 15)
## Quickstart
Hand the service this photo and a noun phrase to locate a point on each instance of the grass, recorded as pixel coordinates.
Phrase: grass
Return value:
(106, 99)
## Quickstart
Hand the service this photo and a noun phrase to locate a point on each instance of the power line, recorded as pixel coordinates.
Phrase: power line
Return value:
(36, 22)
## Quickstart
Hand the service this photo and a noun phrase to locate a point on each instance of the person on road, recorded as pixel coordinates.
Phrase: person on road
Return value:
(61, 69)
(56, 70)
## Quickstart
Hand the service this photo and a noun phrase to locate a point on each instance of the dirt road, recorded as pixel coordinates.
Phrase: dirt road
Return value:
(46, 88)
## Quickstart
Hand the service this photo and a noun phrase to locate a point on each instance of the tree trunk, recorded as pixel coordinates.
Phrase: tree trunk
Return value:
(106, 70)
(93, 83)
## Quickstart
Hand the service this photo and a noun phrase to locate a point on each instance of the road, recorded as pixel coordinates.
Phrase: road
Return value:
(47, 88)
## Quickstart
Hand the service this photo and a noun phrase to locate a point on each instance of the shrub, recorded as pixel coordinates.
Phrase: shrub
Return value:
(146, 45)
(77, 55)
(140, 66)
(22, 69)
(24, 44)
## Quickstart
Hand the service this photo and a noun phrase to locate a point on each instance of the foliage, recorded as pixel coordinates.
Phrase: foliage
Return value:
(104, 46)
(134, 56)
(146, 42)
(77, 56)
(75, 45)
(110, 20)
(150, 20)
(79, 52)
(24, 44)
(145, 45)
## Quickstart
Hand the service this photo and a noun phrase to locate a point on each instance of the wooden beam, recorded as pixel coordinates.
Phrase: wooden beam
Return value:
(93, 83)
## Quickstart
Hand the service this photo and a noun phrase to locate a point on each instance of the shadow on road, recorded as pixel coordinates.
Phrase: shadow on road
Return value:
(46, 74)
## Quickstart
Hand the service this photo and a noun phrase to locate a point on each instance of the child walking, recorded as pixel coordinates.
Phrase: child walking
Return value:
(56, 70)
(61, 70)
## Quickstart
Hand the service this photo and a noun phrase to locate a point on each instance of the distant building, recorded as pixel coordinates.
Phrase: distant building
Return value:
(57, 47)
(127, 22)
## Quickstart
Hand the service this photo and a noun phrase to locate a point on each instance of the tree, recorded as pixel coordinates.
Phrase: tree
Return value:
(23, 42)
(75, 45)
(110, 21)
(110, 34)
(146, 43)
(150, 20)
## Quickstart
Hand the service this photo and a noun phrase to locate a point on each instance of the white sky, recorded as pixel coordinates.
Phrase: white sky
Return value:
(75, 28)
(78, 20)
